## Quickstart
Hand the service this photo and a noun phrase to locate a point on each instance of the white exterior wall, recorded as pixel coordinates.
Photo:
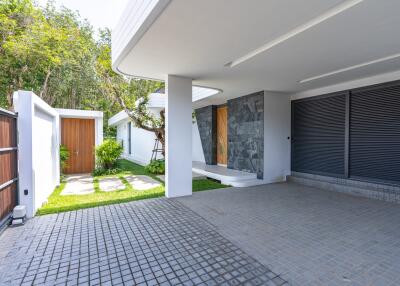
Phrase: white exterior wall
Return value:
(38, 150)
(45, 148)
(197, 148)
(122, 136)
(277, 118)
(142, 146)
(143, 142)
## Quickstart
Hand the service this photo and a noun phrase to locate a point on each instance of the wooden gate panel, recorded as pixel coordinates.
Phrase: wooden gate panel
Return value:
(8, 164)
(78, 135)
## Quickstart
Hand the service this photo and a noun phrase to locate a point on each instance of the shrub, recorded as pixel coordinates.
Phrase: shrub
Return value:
(64, 155)
(108, 153)
(156, 167)
(101, 171)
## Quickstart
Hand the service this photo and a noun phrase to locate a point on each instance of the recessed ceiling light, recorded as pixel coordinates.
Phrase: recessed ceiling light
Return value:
(351, 68)
(313, 22)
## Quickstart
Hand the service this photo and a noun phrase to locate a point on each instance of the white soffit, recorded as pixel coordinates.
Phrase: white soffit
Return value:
(278, 45)
(299, 29)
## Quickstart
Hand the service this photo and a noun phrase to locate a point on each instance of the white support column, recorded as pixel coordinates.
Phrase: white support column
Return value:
(276, 136)
(178, 137)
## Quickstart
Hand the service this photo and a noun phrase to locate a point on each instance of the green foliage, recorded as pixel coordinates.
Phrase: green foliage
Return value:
(55, 53)
(108, 153)
(60, 203)
(64, 156)
(100, 171)
(156, 167)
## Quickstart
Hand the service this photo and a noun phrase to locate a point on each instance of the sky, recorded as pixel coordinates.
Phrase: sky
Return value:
(100, 13)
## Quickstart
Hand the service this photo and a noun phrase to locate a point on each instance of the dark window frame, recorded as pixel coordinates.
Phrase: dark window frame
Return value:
(129, 138)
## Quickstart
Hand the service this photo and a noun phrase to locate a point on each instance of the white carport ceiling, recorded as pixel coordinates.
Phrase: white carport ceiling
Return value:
(198, 39)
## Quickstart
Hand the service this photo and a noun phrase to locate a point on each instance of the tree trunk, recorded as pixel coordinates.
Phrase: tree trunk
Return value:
(43, 92)
(158, 131)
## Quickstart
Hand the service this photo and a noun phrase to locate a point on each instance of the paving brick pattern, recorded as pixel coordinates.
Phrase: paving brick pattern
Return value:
(152, 242)
(310, 236)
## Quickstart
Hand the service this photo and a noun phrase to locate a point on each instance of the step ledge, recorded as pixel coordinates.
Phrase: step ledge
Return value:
(225, 178)
(347, 189)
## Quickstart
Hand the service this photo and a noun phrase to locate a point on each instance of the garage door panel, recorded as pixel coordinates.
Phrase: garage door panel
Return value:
(375, 133)
(318, 135)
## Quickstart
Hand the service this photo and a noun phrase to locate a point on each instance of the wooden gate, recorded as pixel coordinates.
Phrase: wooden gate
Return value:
(78, 135)
(8, 165)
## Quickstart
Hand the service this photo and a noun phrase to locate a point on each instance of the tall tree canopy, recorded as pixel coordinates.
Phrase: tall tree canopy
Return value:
(55, 53)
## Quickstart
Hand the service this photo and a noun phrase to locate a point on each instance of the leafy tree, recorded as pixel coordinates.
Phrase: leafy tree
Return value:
(55, 54)
(131, 94)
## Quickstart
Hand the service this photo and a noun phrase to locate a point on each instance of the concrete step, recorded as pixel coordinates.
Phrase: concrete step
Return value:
(247, 183)
(222, 174)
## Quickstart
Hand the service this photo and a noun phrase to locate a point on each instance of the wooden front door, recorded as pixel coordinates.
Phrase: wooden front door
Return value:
(78, 136)
(222, 135)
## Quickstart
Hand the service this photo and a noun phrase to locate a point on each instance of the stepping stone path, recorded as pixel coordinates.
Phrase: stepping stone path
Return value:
(141, 182)
(111, 184)
(78, 185)
(195, 176)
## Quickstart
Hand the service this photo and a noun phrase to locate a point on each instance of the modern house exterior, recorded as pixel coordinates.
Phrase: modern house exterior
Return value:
(309, 90)
(138, 144)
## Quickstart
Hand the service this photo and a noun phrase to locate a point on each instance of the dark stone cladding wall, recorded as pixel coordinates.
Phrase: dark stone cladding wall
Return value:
(246, 133)
(207, 124)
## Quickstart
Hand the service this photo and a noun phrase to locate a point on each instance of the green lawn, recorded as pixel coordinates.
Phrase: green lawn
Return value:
(57, 203)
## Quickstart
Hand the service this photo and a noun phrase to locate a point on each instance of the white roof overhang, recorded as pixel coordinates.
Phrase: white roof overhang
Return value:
(241, 47)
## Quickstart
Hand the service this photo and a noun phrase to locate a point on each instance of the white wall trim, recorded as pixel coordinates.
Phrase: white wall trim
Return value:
(76, 113)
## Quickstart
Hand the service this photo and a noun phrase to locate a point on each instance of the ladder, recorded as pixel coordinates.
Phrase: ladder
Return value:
(156, 150)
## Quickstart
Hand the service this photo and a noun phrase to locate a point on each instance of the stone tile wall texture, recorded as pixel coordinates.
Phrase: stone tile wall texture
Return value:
(207, 124)
(246, 133)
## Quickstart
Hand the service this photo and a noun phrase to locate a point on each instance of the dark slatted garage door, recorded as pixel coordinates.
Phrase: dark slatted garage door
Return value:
(318, 135)
(375, 133)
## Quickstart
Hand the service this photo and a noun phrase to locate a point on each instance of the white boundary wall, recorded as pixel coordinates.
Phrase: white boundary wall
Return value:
(38, 150)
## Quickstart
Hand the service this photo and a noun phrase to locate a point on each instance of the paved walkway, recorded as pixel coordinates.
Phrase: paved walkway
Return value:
(151, 242)
(142, 182)
(81, 184)
(110, 184)
(313, 237)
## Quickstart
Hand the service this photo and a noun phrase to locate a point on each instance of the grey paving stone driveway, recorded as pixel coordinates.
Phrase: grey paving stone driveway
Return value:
(152, 242)
(311, 236)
